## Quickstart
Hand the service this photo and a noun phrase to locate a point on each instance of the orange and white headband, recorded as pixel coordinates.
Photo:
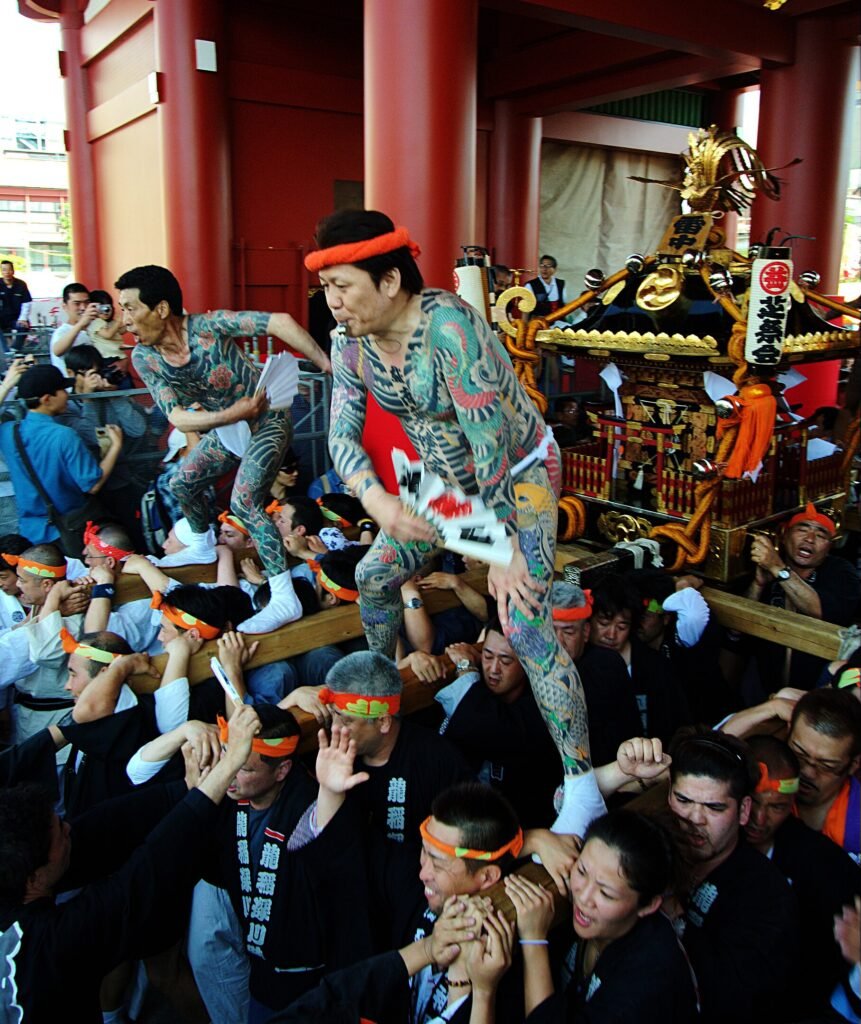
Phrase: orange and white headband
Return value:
(812, 515)
(231, 520)
(344, 593)
(184, 620)
(91, 536)
(514, 846)
(274, 507)
(355, 252)
(767, 784)
(359, 705)
(281, 746)
(73, 646)
(333, 517)
(574, 614)
(48, 572)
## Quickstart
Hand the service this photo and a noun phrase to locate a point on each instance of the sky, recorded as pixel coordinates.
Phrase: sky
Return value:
(28, 56)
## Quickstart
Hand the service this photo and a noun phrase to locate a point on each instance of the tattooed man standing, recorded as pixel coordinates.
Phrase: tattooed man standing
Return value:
(192, 360)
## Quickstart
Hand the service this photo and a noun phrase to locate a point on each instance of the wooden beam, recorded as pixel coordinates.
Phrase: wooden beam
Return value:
(800, 632)
(667, 71)
(734, 29)
(333, 626)
(572, 55)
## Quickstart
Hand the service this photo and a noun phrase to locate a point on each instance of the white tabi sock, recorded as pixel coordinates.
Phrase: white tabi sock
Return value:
(581, 803)
(284, 606)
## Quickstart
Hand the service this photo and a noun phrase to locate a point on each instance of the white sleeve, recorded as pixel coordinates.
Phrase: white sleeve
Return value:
(171, 705)
(75, 568)
(450, 696)
(15, 661)
(140, 771)
(692, 614)
(137, 623)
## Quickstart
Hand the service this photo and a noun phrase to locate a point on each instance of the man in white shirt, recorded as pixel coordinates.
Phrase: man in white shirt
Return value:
(80, 313)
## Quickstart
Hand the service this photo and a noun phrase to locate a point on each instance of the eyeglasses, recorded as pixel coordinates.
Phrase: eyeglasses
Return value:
(820, 767)
(545, 266)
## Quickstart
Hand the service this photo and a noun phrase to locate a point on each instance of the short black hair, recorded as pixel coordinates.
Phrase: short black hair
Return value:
(26, 817)
(154, 284)
(358, 226)
(101, 297)
(549, 259)
(307, 513)
(81, 358)
(275, 724)
(834, 713)
(649, 583)
(344, 506)
(776, 755)
(7, 263)
(715, 755)
(47, 554)
(647, 855)
(12, 544)
(103, 640)
(220, 607)
(482, 816)
(72, 289)
(615, 594)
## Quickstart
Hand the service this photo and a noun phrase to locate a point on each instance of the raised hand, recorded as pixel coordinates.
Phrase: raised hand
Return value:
(490, 956)
(335, 760)
(642, 758)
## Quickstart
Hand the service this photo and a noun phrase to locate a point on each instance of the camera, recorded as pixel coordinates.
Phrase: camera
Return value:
(105, 309)
(113, 376)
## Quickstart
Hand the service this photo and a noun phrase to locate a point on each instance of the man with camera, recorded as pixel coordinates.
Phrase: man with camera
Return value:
(80, 313)
(90, 412)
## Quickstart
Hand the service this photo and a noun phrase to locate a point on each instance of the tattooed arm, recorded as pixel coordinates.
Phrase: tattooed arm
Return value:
(284, 327)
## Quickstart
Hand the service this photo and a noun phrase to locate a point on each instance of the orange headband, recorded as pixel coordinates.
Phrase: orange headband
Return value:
(185, 620)
(361, 707)
(91, 536)
(573, 614)
(50, 572)
(73, 646)
(767, 784)
(355, 252)
(811, 515)
(273, 507)
(282, 746)
(231, 520)
(513, 847)
(329, 584)
(333, 517)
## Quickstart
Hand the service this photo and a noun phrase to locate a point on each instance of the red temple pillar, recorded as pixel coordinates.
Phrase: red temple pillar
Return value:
(515, 179)
(421, 122)
(805, 111)
(82, 183)
(195, 155)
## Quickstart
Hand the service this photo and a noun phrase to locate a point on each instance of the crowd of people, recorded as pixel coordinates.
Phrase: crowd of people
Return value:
(588, 818)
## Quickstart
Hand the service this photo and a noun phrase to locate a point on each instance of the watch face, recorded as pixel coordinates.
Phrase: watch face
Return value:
(463, 665)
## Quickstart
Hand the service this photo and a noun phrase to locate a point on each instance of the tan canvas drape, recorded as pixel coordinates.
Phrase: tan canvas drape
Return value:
(593, 216)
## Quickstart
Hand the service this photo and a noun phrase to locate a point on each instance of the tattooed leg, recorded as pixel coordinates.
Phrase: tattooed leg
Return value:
(552, 674)
(379, 577)
(205, 464)
(257, 470)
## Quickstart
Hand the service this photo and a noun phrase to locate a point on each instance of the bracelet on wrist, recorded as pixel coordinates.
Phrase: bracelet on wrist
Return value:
(102, 590)
(459, 983)
(534, 942)
(366, 524)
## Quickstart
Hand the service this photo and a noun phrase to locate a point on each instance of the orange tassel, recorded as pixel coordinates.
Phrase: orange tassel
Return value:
(756, 408)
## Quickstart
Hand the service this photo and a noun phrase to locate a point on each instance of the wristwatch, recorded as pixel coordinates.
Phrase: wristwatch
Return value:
(783, 574)
(413, 603)
(464, 665)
